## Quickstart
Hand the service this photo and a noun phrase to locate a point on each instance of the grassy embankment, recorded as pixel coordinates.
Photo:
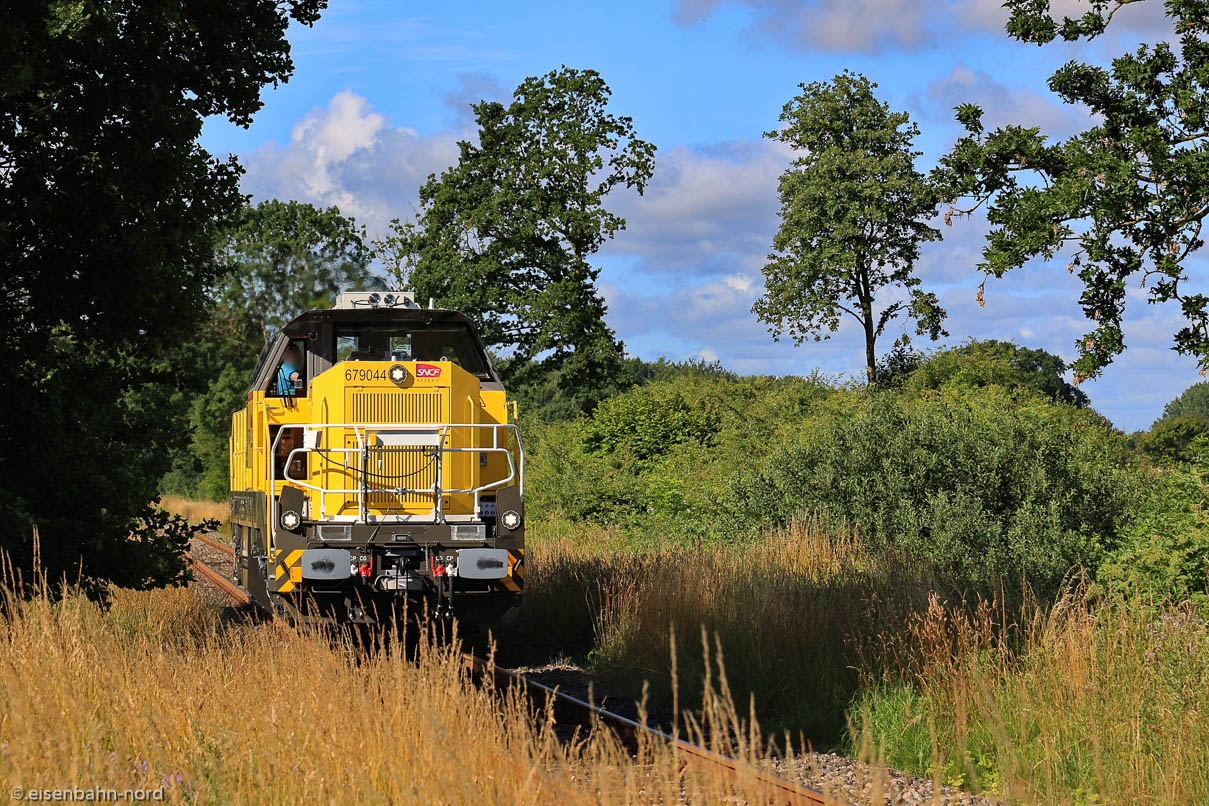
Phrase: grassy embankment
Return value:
(1080, 701)
(160, 690)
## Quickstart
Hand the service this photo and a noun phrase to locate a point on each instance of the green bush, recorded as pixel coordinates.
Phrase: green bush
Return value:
(1165, 551)
(656, 460)
(985, 483)
(650, 422)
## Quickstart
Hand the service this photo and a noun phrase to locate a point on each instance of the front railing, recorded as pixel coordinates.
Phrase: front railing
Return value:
(373, 439)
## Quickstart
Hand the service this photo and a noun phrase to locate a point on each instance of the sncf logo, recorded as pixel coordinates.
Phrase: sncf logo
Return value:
(427, 371)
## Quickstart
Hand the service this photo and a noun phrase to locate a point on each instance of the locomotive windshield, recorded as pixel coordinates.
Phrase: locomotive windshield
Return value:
(404, 342)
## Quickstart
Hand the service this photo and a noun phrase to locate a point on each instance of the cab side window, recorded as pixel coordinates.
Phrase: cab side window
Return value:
(290, 378)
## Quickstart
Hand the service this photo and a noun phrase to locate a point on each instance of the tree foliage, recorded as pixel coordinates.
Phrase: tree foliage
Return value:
(853, 216)
(998, 363)
(1126, 199)
(507, 234)
(108, 212)
(1173, 439)
(281, 258)
(1194, 400)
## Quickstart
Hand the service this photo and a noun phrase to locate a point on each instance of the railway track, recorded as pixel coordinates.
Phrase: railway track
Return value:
(780, 791)
(224, 585)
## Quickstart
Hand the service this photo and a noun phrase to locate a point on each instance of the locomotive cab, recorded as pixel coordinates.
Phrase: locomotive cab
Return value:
(375, 469)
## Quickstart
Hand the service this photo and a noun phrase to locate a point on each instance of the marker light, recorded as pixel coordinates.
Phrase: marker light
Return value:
(397, 373)
(389, 300)
(511, 519)
(374, 299)
(291, 520)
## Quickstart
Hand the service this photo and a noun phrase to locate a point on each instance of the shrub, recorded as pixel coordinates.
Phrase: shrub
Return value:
(650, 421)
(657, 459)
(1165, 551)
(984, 483)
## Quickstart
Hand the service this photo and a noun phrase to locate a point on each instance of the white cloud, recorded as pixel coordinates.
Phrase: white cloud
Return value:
(1001, 104)
(346, 154)
(742, 283)
(710, 209)
(873, 25)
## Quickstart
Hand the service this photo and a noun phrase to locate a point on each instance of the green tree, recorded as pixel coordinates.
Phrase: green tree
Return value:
(1173, 439)
(1192, 401)
(108, 212)
(1125, 199)
(279, 259)
(853, 216)
(507, 234)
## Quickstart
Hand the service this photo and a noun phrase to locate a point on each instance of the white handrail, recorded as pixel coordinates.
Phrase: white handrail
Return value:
(516, 469)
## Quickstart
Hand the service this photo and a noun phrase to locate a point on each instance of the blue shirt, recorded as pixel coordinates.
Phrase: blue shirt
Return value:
(285, 386)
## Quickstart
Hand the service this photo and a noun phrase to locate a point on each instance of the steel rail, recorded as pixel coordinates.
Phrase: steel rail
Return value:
(214, 544)
(228, 588)
(782, 791)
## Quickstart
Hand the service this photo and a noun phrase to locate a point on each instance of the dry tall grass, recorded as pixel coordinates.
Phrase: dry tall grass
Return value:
(160, 691)
(793, 613)
(197, 512)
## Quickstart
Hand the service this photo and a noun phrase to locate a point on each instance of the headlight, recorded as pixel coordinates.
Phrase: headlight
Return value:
(511, 519)
(397, 373)
(291, 520)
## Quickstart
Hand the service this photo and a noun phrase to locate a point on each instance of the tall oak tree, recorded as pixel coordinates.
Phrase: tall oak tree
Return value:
(507, 234)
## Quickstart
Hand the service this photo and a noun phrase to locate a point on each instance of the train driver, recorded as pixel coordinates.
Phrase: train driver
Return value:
(288, 372)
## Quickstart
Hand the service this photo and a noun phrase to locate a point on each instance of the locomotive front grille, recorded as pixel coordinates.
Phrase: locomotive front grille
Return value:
(388, 467)
(418, 408)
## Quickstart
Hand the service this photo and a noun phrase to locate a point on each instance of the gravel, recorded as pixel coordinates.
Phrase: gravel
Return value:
(850, 781)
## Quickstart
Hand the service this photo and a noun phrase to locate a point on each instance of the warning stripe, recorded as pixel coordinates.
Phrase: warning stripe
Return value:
(516, 571)
(287, 566)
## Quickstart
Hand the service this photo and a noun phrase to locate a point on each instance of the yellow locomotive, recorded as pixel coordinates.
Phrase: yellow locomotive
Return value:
(375, 467)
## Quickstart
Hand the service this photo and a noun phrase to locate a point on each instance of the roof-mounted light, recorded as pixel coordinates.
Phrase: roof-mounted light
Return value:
(374, 299)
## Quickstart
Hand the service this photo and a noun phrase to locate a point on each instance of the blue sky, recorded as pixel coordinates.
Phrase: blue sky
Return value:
(380, 98)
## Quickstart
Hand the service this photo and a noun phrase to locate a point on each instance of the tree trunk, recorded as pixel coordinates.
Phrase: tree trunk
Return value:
(866, 301)
(870, 351)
